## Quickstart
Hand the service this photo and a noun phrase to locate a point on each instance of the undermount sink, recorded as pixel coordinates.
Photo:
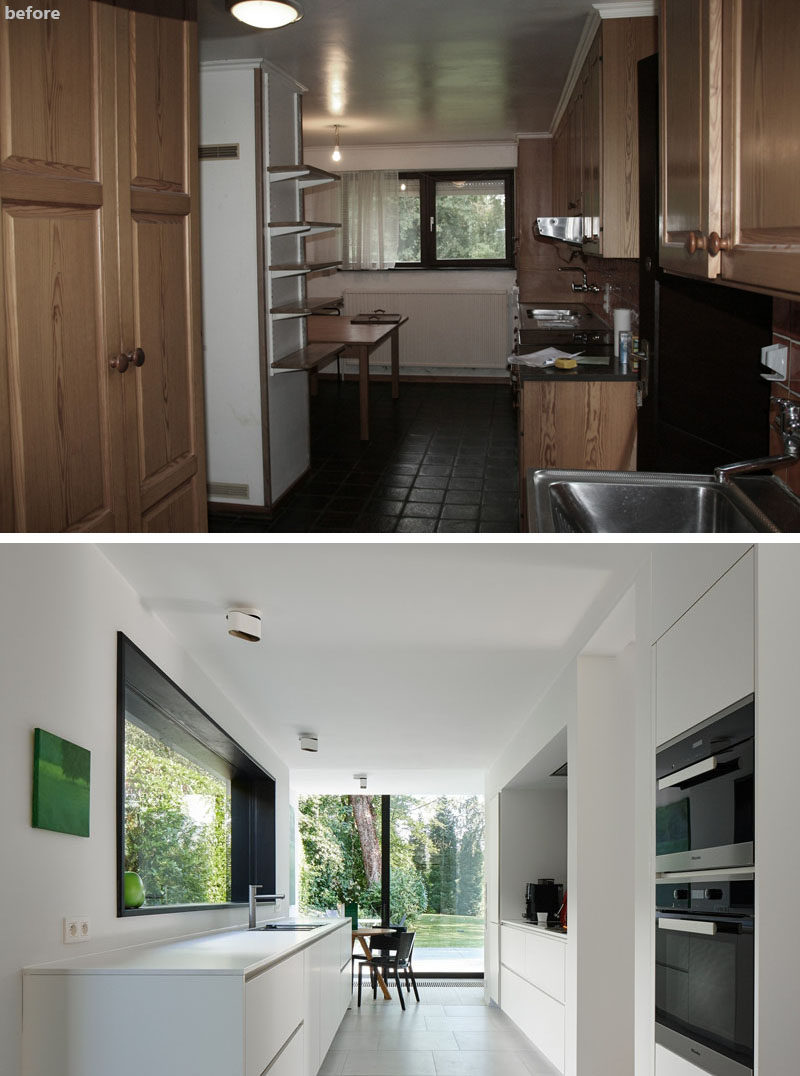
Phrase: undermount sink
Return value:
(641, 502)
(290, 926)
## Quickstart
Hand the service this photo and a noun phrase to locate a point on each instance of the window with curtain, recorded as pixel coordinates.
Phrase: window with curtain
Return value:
(370, 219)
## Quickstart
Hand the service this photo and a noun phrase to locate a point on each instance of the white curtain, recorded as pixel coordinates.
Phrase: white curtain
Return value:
(370, 220)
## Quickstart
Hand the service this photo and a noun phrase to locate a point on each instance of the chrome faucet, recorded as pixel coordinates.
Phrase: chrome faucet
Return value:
(254, 897)
(585, 286)
(787, 423)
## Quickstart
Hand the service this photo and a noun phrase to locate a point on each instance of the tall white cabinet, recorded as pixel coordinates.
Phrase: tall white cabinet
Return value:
(254, 274)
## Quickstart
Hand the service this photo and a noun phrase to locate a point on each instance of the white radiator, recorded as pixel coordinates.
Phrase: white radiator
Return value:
(445, 329)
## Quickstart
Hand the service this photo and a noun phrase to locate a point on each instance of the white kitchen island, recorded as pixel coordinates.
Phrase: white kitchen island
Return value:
(233, 1003)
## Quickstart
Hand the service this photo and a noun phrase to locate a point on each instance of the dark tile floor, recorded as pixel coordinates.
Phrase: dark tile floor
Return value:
(441, 458)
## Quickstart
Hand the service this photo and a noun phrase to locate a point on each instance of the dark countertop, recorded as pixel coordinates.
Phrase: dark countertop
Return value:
(608, 370)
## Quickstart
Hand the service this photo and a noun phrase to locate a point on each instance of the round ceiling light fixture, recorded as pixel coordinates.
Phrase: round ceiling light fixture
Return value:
(244, 624)
(264, 14)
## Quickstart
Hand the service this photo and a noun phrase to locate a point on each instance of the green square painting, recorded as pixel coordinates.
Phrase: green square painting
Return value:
(61, 772)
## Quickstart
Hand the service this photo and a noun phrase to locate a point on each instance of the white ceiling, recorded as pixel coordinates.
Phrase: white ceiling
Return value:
(394, 71)
(414, 663)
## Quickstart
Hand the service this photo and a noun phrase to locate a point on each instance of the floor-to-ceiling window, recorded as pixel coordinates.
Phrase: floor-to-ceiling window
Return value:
(434, 847)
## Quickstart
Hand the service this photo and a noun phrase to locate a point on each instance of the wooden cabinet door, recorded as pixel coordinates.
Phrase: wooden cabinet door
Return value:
(761, 221)
(591, 95)
(691, 129)
(159, 242)
(61, 425)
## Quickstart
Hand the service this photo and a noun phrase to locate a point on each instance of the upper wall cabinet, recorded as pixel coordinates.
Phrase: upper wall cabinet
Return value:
(730, 201)
(706, 661)
(101, 409)
(595, 146)
(682, 575)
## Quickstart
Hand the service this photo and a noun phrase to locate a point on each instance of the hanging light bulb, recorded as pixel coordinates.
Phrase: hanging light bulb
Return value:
(265, 14)
(337, 153)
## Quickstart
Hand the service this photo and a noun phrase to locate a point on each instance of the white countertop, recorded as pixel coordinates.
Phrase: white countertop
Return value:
(239, 952)
(534, 928)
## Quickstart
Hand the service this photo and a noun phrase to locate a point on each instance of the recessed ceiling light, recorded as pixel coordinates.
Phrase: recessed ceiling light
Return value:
(264, 14)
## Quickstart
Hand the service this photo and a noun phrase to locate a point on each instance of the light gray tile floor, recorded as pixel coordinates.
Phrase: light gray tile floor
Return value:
(449, 1033)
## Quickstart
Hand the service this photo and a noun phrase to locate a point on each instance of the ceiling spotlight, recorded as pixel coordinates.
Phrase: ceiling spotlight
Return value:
(361, 778)
(337, 153)
(308, 742)
(265, 14)
(244, 624)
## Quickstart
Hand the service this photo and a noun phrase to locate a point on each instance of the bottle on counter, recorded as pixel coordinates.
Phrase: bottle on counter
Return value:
(624, 349)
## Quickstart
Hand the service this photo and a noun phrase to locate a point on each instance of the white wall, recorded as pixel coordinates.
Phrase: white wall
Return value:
(63, 606)
(777, 810)
(601, 906)
(533, 843)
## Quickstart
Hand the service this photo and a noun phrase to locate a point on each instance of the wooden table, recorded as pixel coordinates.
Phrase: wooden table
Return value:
(359, 342)
(362, 933)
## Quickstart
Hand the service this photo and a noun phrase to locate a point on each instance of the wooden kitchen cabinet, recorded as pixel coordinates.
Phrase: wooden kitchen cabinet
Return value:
(587, 425)
(729, 99)
(98, 258)
(595, 145)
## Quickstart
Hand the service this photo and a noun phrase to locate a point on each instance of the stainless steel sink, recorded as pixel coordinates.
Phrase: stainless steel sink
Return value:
(291, 926)
(641, 502)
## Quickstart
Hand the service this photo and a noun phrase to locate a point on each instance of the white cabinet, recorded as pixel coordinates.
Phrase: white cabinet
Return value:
(681, 576)
(536, 1014)
(196, 1007)
(669, 1064)
(273, 1004)
(706, 660)
(532, 987)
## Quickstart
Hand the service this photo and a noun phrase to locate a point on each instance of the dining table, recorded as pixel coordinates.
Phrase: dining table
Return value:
(362, 934)
(359, 340)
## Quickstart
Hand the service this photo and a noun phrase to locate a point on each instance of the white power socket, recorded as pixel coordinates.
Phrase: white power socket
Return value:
(76, 929)
(776, 358)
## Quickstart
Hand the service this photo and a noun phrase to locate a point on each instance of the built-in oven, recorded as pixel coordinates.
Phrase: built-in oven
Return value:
(704, 794)
(705, 971)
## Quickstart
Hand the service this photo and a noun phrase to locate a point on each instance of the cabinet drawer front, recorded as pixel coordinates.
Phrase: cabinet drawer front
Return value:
(512, 949)
(273, 1010)
(669, 1064)
(545, 965)
(290, 1063)
(706, 661)
(537, 1016)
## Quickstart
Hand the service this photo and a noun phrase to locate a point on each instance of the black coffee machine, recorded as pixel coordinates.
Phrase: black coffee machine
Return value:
(543, 896)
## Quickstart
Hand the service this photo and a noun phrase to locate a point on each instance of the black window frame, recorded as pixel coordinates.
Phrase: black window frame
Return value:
(427, 218)
(253, 846)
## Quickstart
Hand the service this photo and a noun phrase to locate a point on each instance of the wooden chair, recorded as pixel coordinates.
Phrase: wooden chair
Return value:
(392, 958)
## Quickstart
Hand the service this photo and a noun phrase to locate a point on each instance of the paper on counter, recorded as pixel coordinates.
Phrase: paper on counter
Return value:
(546, 357)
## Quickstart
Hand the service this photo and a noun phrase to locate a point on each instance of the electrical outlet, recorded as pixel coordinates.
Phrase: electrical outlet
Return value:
(76, 929)
(776, 358)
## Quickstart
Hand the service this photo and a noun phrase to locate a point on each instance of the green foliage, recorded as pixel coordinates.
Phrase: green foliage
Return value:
(470, 226)
(177, 824)
(436, 856)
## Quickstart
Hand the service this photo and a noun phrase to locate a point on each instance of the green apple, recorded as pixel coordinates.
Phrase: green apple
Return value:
(134, 890)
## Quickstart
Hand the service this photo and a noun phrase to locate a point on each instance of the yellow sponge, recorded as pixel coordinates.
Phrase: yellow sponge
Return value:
(566, 364)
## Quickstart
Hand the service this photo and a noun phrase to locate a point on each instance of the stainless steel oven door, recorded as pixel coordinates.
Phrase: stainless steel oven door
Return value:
(704, 795)
(704, 990)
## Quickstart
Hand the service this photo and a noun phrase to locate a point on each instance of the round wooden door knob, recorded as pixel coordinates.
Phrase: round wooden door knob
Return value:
(716, 243)
(695, 241)
(125, 359)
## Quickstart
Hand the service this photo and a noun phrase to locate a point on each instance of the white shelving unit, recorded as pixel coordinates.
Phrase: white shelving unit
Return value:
(254, 282)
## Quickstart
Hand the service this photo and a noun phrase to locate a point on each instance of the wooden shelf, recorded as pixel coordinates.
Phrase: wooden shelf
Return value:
(288, 227)
(312, 357)
(279, 172)
(315, 177)
(310, 306)
(298, 268)
(317, 226)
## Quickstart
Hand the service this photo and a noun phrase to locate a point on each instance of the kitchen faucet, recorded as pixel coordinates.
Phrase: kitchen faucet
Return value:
(787, 423)
(585, 286)
(254, 897)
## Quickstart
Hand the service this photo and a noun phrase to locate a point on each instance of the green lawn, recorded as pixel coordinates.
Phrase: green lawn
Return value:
(447, 931)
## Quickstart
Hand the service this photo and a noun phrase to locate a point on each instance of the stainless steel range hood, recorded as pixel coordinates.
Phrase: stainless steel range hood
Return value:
(573, 230)
(566, 229)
